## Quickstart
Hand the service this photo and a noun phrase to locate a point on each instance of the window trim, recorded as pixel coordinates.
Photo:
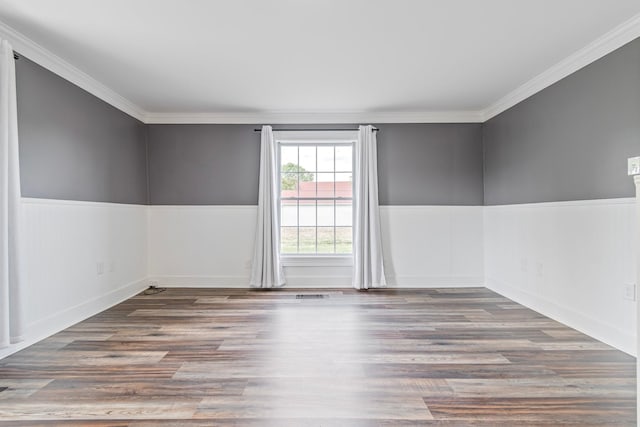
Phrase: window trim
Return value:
(315, 137)
(347, 137)
(319, 260)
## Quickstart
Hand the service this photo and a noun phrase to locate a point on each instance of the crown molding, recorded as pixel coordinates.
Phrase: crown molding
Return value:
(317, 117)
(612, 40)
(59, 66)
(605, 44)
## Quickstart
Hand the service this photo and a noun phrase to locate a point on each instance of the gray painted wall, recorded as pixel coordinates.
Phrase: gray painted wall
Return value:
(568, 142)
(430, 164)
(419, 164)
(74, 146)
(571, 140)
(203, 164)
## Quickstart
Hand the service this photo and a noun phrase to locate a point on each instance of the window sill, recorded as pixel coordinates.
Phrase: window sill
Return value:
(317, 260)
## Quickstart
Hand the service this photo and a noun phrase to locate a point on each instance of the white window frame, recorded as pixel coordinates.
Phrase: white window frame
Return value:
(313, 137)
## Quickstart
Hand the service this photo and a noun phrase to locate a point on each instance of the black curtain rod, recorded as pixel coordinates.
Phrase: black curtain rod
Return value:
(313, 130)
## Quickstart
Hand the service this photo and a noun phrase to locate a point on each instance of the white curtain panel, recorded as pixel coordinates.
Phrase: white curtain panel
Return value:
(368, 269)
(266, 271)
(11, 312)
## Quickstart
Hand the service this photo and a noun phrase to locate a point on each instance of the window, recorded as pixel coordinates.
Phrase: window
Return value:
(316, 195)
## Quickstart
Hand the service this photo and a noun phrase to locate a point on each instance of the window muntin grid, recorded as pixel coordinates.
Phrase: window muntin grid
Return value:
(316, 198)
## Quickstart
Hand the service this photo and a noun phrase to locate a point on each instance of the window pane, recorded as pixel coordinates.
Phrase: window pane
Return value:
(289, 184)
(289, 213)
(308, 173)
(289, 240)
(289, 158)
(308, 158)
(344, 158)
(325, 158)
(344, 213)
(325, 240)
(307, 188)
(307, 240)
(326, 213)
(307, 212)
(343, 240)
(344, 185)
(325, 185)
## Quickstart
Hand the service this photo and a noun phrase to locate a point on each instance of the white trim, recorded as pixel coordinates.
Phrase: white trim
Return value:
(332, 138)
(242, 282)
(421, 207)
(428, 282)
(317, 117)
(316, 260)
(201, 281)
(59, 66)
(39, 201)
(636, 241)
(596, 328)
(588, 202)
(201, 207)
(315, 137)
(319, 281)
(66, 318)
(607, 43)
(592, 202)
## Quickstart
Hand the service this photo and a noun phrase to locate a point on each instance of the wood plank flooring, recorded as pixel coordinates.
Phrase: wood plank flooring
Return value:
(230, 357)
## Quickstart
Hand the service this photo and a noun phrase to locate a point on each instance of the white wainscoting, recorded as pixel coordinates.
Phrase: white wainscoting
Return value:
(569, 261)
(64, 242)
(201, 246)
(209, 246)
(433, 246)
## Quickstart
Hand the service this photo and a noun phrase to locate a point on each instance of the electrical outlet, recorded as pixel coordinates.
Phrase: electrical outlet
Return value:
(100, 268)
(633, 166)
(629, 291)
(247, 264)
(112, 266)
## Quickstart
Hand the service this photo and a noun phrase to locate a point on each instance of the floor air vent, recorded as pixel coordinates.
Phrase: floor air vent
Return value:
(310, 296)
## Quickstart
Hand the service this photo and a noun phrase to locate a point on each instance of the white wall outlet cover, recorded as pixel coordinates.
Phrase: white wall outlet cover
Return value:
(633, 166)
(630, 291)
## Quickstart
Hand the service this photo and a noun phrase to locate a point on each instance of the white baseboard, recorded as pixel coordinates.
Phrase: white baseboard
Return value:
(59, 321)
(201, 281)
(316, 281)
(586, 324)
(242, 282)
(435, 281)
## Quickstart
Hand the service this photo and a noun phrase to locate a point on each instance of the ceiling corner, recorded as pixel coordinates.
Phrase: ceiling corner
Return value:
(612, 40)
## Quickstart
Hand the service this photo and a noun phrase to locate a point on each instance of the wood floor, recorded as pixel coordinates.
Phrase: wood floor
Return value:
(450, 357)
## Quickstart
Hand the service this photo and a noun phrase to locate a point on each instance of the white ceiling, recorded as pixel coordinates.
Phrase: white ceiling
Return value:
(327, 56)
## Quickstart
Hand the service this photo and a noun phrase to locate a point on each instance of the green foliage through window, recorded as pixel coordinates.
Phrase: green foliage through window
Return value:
(290, 172)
